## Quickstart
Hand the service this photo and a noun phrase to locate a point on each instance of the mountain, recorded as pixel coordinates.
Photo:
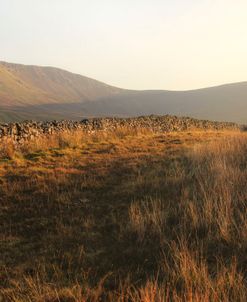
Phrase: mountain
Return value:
(22, 85)
(222, 103)
(42, 93)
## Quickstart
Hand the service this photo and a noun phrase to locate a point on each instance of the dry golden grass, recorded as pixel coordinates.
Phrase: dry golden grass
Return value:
(7, 149)
(125, 216)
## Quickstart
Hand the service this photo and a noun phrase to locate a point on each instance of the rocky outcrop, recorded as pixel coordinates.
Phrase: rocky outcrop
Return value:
(20, 132)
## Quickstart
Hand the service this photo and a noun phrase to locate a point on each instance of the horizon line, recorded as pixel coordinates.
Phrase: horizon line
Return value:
(127, 89)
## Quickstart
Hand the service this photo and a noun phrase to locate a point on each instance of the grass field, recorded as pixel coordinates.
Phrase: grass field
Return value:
(124, 216)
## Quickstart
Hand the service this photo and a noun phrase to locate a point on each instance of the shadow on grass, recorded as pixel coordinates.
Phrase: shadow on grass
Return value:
(69, 224)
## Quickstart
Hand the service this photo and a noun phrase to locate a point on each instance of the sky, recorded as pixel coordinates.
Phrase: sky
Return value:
(135, 44)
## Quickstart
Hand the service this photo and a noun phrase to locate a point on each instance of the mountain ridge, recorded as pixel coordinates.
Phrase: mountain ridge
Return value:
(48, 85)
(46, 92)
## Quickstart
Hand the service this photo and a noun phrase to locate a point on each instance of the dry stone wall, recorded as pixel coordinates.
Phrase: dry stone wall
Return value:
(20, 132)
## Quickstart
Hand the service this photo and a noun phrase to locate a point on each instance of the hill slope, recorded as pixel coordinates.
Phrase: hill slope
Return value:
(42, 93)
(222, 103)
(34, 85)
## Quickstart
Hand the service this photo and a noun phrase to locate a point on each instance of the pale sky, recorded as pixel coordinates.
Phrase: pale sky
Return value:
(136, 44)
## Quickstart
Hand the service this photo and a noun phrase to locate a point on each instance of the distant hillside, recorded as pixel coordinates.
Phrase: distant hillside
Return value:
(44, 93)
(22, 85)
(222, 103)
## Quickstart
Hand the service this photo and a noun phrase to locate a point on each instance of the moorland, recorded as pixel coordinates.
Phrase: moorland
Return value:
(124, 215)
